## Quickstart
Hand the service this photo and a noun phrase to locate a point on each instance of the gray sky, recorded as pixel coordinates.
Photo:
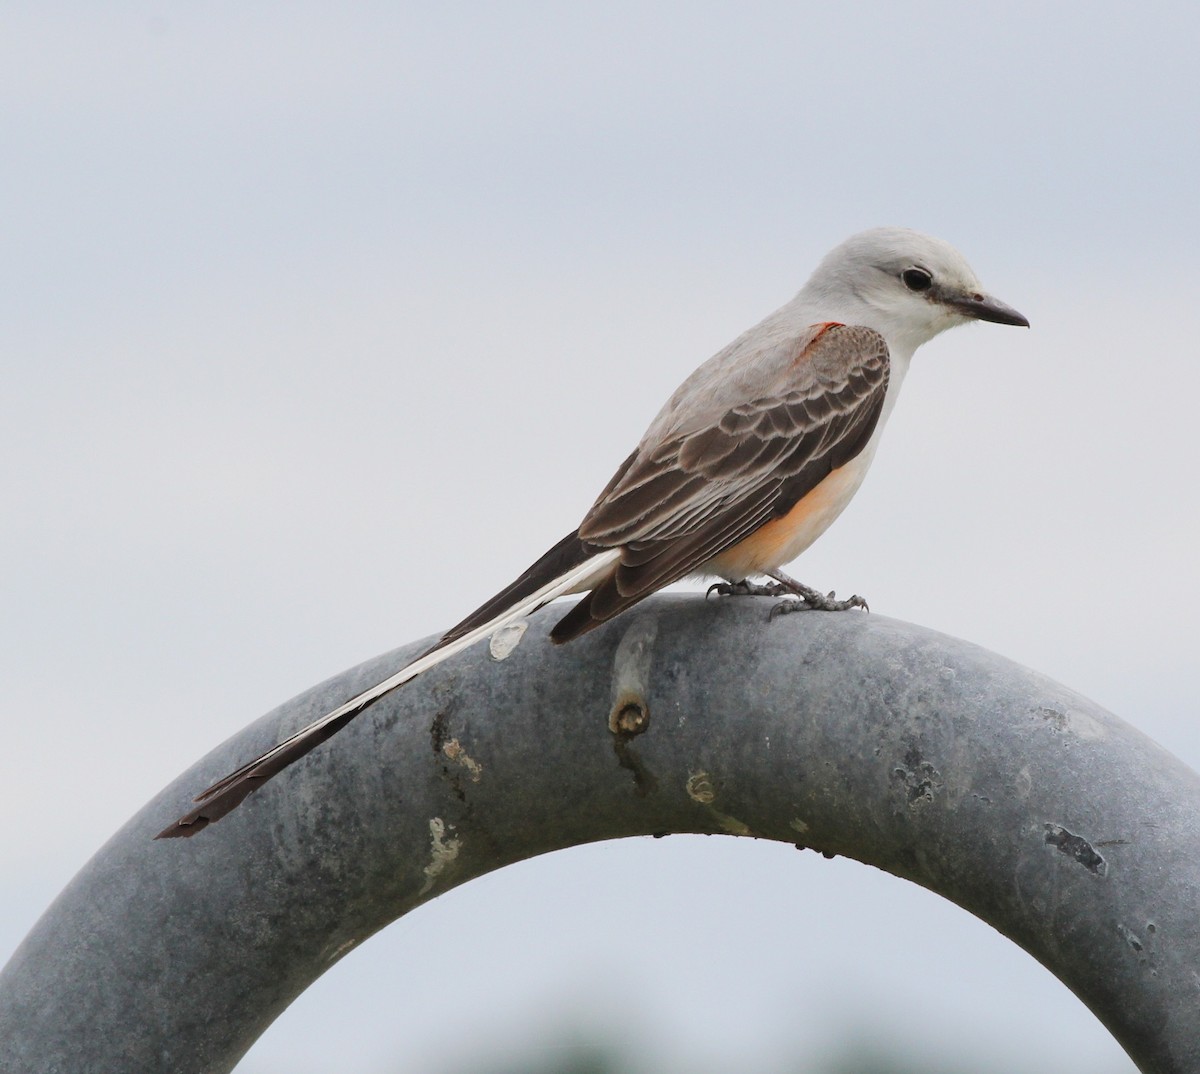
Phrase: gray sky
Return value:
(298, 299)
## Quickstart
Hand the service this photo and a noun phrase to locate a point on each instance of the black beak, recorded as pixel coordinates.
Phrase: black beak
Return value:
(985, 308)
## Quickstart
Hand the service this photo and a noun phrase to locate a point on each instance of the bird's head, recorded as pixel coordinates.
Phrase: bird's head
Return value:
(905, 285)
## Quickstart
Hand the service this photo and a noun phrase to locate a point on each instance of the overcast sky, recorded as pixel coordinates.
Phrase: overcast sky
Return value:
(319, 322)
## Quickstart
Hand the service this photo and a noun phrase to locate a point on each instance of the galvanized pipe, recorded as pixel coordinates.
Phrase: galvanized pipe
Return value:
(1066, 829)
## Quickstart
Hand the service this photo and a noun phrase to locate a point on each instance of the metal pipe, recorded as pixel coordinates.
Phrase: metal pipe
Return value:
(1024, 803)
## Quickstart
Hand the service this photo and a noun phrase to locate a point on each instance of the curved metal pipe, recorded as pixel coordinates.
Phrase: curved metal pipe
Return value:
(1066, 829)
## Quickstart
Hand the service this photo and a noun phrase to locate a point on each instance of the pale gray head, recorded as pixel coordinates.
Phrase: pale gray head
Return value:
(906, 285)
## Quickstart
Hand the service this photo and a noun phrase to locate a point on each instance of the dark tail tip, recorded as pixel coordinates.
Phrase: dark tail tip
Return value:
(227, 794)
(213, 809)
(184, 827)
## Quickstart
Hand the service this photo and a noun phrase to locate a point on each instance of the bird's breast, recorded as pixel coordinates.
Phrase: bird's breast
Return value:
(782, 539)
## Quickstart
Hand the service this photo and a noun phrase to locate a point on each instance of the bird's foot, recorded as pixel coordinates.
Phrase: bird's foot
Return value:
(785, 586)
(747, 589)
(811, 598)
(825, 603)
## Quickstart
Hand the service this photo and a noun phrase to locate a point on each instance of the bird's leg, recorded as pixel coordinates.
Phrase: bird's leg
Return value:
(809, 598)
(745, 588)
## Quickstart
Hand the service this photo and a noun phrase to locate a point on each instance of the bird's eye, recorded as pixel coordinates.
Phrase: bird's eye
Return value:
(916, 279)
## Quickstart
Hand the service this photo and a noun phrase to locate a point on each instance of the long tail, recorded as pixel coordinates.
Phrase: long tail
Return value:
(571, 566)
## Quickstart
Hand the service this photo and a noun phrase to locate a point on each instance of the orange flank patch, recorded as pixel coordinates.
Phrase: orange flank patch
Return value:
(783, 539)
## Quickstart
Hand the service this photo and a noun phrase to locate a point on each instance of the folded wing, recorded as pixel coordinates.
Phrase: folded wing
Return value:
(692, 496)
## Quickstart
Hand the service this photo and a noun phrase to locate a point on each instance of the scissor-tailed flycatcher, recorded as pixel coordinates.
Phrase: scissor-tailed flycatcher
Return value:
(749, 462)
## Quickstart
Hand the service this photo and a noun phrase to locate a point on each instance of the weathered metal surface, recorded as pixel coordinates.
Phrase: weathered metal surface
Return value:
(852, 734)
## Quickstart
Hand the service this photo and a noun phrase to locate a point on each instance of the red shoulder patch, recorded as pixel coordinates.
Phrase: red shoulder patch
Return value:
(825, 326)
(819, 329)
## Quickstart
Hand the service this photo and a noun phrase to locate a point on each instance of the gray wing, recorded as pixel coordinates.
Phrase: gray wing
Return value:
(685, 499)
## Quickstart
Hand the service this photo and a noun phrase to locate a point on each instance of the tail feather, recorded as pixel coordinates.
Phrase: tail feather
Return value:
(563, 558)
(530, 592)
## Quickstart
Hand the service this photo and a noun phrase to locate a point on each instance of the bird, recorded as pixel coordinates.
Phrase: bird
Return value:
(748, 462)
